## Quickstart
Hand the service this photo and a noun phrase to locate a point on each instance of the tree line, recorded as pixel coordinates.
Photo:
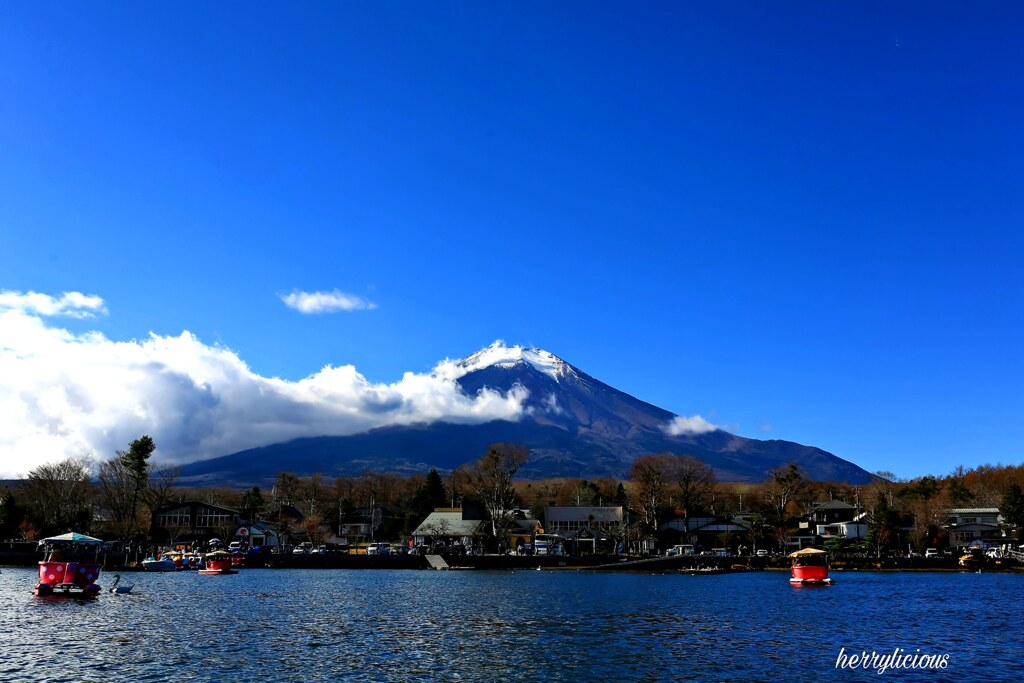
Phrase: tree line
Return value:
(116, 498)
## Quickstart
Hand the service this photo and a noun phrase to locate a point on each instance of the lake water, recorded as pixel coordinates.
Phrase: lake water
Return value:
(379, 625)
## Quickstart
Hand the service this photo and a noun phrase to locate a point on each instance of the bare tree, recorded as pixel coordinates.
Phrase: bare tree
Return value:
(785, 484)
(315, 530)
(490, 480)
(313, 494)
(116, 486)
(61, 493)
(285, 489)
(696, 482)
(161, 486)
(124, 484)
(437, 530)
(651, 475)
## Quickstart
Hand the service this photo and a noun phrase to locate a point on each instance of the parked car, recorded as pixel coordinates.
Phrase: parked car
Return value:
(762, 553)
(931, 552)
(303, 548)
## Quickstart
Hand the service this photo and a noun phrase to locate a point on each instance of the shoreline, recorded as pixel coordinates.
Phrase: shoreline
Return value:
(652, 564)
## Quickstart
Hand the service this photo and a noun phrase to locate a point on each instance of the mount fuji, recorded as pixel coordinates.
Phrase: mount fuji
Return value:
(574, 425)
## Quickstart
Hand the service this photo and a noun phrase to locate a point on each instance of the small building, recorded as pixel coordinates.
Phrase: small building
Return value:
(447, 525)
(360, 524)
(561, 519)
(967, 526)
(585, 528)
(851, 530)
(831, 512)
(708, 531)
(256, 535)
(194, 522)
(523, 530)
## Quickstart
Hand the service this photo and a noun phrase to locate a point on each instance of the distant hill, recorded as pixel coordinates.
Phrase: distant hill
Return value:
(575, 426)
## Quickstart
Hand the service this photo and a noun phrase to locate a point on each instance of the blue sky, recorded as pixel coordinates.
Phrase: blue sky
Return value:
(799, 222)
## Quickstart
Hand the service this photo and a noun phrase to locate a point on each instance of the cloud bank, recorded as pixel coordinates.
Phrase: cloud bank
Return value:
(70, 304)
(325, 302)
(689, 425)
(64, 394)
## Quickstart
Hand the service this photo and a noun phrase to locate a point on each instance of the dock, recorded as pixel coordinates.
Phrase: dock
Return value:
(436, 562)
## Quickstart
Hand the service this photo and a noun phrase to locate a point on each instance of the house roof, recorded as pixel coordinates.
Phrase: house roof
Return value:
(526, 524)
(973, 511)
(974, 526)
(833, 505)
(581, 513)
(197, 504)
(447, 524)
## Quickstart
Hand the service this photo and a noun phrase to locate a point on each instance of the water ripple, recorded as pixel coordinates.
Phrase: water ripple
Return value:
(293, 625)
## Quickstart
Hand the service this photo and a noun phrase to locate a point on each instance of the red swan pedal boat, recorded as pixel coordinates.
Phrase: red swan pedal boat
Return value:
(61, 572)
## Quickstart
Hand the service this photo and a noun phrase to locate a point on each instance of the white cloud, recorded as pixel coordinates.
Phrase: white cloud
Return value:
(70, 304)
(325, 302)
(64, 394)
(552, 405)
(689, 425)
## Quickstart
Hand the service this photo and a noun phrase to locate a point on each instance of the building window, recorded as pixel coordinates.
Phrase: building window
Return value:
(173, 518)
(211, 519)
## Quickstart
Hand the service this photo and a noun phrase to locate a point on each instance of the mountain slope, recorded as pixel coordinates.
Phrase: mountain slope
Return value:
(574, 425)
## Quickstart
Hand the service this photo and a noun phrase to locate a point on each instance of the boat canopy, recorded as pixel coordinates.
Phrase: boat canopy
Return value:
(808, 552)
(71, 539)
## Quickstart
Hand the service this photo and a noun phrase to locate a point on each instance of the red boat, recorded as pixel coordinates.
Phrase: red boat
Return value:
(810, 568)
(69, 578)
(218, 562)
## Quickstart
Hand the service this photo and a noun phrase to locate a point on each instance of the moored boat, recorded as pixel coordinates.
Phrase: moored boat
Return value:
(159, 564)
(810, 568)
(68, 578)
(218, 562)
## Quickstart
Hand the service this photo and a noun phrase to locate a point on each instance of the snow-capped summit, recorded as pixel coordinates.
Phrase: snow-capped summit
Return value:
(574, 425)
(501, 356)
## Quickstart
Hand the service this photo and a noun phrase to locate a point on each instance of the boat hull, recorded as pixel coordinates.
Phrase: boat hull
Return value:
(67, 590)
(810, 575)
(68, 579)
(159, 566)
(811, 582)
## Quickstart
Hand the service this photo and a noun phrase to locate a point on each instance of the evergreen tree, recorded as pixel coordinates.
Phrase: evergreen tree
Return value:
(1013, 506)
(252, 504)
(123, 483)
(431, 494)
(10, 516)
(620, 496)
(884, 522)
